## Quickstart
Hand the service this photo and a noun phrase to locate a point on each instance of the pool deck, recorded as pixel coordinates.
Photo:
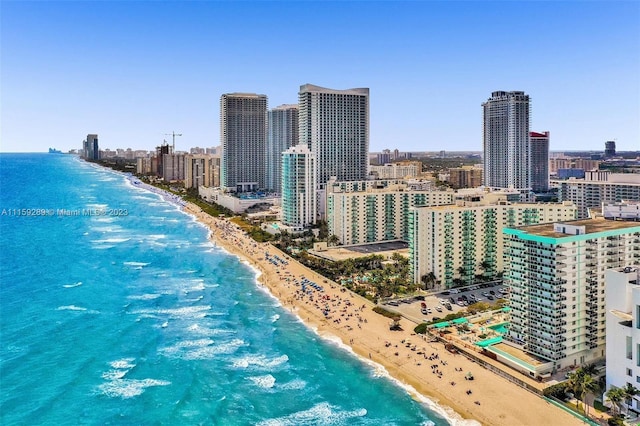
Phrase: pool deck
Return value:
(518, 354)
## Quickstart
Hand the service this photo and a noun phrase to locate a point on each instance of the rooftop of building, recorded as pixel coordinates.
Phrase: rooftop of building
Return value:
(591, 226)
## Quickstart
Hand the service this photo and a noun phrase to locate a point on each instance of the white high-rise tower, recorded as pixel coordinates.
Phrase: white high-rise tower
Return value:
(506, 141)
(298, 187)
(334, 124)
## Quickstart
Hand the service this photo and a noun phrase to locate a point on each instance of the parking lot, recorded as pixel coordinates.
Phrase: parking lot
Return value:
(437, 305)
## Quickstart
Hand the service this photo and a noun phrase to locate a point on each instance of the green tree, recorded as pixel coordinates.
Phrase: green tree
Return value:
(333, 240)
(629, 391)
(615, 396)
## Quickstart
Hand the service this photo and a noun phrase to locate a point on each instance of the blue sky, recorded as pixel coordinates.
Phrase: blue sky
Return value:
(133, 71)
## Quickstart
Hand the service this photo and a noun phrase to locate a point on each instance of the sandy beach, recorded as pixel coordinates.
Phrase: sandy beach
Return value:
(427, 367)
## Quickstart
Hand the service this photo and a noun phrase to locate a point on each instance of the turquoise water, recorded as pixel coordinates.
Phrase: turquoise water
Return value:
(125, 314)
(499, 328)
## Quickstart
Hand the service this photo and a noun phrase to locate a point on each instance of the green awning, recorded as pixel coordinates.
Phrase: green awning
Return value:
(459, 320)
(506, 309)
(441, 324)
(489, 342)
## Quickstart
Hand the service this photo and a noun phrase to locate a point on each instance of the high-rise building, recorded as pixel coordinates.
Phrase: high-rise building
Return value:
(598, 187)
(373, 211)
(173, 167)
(90, 148)
(610, 149)
(506, 141)
(539, 161)
(243, 135)
(556, 273)
(455, 243)
(394, 171)
(334, 124)
(282, 134)
(201, 170)
(298, 187)
(465, 177)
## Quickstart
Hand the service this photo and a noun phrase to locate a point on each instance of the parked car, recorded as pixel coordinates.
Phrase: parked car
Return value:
(438, 308)
(448, 306)
(490, 297)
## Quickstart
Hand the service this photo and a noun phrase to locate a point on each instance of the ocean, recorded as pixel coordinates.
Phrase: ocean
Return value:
(116, 309)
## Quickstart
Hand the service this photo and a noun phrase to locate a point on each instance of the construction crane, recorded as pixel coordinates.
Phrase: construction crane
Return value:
(174, 134)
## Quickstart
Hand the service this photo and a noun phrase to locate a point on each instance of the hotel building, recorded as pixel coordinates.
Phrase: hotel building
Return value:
(201, 170)
(622, 294)
(90, 148)
(173, 167)
(298, 187)
(282, 133)
(598, 187)
(556, 164)
(394, 171)
(457, 242)
(465, 177)
(374, 211)
(539, 161)
(506, 141)
(334, 124)
(556, 273)
(243, 135)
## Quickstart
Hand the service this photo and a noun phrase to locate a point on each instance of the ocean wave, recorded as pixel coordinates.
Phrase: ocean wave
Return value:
(204, 331)
(78, 284)
(186, 312)
(322, 413)
(128, 388)
(104, 219)
(275, 318)
(149, 296)
(124, 363)
(135, 263)
(265, 382)
(111, 240)
(295, 384)
(260, 361)
(103, 247)
(72, 308)
(200, 349)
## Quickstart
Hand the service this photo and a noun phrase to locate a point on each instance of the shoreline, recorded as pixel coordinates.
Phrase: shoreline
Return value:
(429, 373)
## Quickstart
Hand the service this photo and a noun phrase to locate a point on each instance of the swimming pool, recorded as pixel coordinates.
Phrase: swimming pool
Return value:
(499, 328)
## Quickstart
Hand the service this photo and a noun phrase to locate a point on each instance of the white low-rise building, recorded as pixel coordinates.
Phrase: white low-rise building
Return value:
(238, 203)
(622, 293)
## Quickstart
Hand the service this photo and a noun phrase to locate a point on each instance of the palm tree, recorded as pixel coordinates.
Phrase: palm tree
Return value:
(615, 396)
(333, 240)
(588, 386)
(573, 384)
(581, 383)
(629, 391)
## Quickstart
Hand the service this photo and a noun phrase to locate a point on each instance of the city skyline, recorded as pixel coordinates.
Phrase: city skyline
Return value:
(144, 69)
